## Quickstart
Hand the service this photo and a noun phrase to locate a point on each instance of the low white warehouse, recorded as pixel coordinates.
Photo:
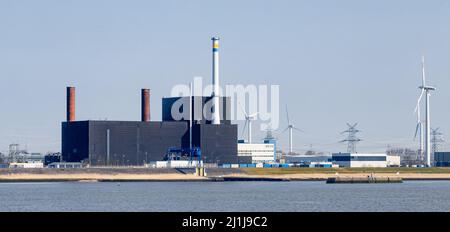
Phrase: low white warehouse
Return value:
(360, 160)
(393, 160)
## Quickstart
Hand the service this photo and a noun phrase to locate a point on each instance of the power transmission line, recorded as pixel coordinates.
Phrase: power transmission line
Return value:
(351, 139)
(437, 139)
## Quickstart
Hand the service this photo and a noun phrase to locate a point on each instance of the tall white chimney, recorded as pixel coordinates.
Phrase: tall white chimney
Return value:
(215, 82)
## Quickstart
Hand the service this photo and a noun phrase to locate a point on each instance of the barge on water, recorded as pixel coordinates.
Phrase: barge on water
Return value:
(363, 180)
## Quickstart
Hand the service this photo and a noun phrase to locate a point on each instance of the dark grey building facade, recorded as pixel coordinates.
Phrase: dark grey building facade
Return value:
(131, 143)
(218, 143)
(442, 159)
(102, 143)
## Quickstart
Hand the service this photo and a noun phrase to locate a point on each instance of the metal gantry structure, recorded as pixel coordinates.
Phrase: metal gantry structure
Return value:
(269, 133)
(351, 139)
(16, 154)
(437, 138)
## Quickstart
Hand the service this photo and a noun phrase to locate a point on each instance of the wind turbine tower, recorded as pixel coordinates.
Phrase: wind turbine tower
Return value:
(248, 121)
(419, 128)
(427, 89)
(290, 127)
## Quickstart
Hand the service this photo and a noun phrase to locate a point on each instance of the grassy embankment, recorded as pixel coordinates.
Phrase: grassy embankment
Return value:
(287, 171)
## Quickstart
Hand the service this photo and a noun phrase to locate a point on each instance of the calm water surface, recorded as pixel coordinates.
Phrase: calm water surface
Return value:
(225, 196)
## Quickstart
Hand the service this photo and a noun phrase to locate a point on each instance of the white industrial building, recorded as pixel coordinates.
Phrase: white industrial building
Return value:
(306, 158)
(175, 164)
(27, 165)
(360, 160)
(65, 165)
(260, 152)
(393, 161)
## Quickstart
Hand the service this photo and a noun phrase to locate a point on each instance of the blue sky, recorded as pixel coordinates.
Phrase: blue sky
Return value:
(335, 61)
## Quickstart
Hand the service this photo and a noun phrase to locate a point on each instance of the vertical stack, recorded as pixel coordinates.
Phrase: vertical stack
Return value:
(70, 104)
(145, 105)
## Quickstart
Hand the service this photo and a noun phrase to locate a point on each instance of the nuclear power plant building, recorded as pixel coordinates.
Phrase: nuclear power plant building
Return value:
(200, 122)
(129, 143)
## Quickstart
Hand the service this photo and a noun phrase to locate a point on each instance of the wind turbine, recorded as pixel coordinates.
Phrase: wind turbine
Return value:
(426, 89)
(248, 120)
(419, 125)
(290, 127)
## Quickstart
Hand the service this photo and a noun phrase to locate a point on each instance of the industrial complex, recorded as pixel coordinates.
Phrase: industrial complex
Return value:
(128, 143)
(189, 136)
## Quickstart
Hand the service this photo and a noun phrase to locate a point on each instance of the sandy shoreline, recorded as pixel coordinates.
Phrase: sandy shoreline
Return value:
(26, 177)
(99, 177)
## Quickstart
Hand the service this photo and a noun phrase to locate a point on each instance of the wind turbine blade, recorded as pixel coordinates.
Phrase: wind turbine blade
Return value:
(355, 125)
(417, 109)
(420, 98)
(417, 130)
(423, 70)
(243, 110)
(285, 130)
(295, 128)
(287, 114)
(243, 129)
(348, 124)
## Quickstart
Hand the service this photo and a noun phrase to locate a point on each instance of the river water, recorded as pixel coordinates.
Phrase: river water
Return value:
(225, 196)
